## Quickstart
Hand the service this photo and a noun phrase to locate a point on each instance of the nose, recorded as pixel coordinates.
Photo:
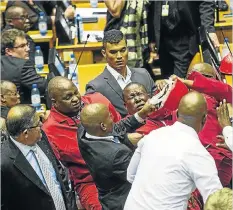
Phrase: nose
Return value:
(75, 98)
(137, 99)
(27, 48)
(119, 56)
(18, 96)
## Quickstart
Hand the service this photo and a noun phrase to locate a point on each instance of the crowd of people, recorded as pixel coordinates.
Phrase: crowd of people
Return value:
(131, 142)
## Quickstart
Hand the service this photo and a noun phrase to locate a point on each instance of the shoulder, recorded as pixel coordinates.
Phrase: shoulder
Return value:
(13, 60)
(5, 151)
(138, 70)
(95, 98)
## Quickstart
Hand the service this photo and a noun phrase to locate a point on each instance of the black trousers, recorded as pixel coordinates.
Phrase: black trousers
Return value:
(174, 55)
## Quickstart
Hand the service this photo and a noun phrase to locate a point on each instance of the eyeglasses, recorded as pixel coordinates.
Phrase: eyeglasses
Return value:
(23, 18)
(39, 124)
(22, 45)
(12, 93)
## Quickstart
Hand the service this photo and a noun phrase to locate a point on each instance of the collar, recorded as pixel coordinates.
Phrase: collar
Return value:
(25, 149)
(186, 129)
(116, 75)
(61, 118)
(89, 136)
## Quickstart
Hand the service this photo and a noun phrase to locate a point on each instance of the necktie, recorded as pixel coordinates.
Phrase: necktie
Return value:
(54, 191)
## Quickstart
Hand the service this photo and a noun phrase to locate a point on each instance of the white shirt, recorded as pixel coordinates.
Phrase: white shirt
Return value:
(28, 154)
(167, 166)
(119, 78)
(227, 133)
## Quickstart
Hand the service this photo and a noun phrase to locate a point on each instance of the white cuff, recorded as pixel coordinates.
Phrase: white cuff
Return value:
(138, 118)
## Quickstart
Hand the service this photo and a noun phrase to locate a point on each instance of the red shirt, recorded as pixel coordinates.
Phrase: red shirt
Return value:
(214, 92)
(62, 134)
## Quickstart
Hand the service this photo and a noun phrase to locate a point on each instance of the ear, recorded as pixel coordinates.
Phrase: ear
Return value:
(25, 132)
(3, 100)
(53, 102)
(8, 51)
(103, 127)
(103, 52)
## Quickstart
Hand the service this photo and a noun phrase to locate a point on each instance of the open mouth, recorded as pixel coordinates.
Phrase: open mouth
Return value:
(139, 106)
(76, 105)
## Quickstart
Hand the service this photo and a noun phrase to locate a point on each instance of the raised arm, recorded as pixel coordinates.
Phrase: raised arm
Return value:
(115, 7)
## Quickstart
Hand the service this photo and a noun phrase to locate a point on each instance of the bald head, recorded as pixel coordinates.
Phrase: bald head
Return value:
(19, 118)
(203, 68)
(96, 119)
(192, 110)
(13, 12)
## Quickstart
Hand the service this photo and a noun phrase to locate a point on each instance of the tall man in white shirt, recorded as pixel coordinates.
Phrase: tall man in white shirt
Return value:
(171, 162)
(29, 171)
(117, 74)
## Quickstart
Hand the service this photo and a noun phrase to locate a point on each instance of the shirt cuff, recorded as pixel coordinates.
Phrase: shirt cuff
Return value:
(139, 119)
(226, 130)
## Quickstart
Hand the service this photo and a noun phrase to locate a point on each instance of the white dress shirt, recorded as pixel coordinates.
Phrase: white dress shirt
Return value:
(119, 78)
(31, 158)
(227, 133)
(167, 166)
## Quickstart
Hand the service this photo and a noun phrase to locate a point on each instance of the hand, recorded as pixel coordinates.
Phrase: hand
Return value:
(223, 114)
(214, 39)
(69, 13)
(146, 110)
(161, 83)
(153, 56)
(174, 78)
(222, 143)
(135, 137)
(43, 115)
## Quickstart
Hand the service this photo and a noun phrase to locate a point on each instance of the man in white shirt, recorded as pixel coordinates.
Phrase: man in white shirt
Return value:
(225, 122)
(171, 162)
(29, 170)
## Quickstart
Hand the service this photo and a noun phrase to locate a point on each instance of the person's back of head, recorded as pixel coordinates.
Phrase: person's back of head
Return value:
(9, 94)
(192, 110)
(204, 68)
(96, 119)
(220, 200)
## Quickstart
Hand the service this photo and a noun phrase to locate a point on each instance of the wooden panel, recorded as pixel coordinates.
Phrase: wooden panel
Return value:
(37, 37)
(99, 26)
(86, 73)
(87, 4)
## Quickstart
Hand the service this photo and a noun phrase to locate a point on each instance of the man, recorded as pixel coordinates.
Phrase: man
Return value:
(108, 167)
(61, 129)
(117, 74)
(225, 122)
(214, 91)
(173, 27)
(16, 67)
(9, 97)
(17, 17)
(171, 162)
(29, 170)
(135, 96)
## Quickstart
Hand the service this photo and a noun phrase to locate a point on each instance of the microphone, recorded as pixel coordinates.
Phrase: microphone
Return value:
(88, 35)
(225, 41)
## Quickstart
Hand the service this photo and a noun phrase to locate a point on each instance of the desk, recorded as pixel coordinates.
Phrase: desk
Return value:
(3, 6)
(45, 71)
(226, 26)
(37, 37)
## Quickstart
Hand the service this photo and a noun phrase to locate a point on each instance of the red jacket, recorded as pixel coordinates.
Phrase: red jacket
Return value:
(62, 134)
(214, 92)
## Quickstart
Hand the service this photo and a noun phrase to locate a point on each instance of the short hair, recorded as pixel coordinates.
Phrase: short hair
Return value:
(220, 200)
(131, 84)
(8, 38)
(113, 37)
(19, 122)
(11, 13)
(3, 84)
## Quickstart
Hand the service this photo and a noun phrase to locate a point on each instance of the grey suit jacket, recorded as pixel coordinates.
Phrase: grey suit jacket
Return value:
(107, 85)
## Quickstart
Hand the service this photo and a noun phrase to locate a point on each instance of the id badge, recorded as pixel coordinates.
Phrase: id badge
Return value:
(165, 10)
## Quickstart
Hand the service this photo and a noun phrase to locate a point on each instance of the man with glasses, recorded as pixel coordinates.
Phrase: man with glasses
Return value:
(9, 97)
(15, 65)
(17, 17)
(29, 170)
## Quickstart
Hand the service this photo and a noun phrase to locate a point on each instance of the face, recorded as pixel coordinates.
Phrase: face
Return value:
(20, 49)
(12, 97)
(68, 101)
(135, 98)
(116, 55)
(21, 21)
(33, 133)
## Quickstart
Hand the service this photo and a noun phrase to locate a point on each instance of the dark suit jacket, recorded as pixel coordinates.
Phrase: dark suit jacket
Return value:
(23, 74)
(107, 85)
(21, 186)
(191, 14)
(107, 162)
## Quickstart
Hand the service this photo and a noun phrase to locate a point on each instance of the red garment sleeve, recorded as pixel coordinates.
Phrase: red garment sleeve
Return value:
(211, 87)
